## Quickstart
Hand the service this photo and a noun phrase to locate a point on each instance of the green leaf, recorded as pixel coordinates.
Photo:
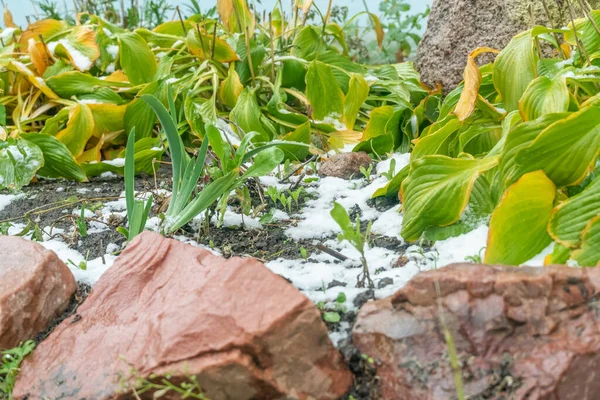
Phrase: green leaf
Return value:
(264, 162)
(559, 255)
(231, 88)
(437, 191)
(589, 254)
(514, 69)
(518, 228)
(567, 150)
(136, 58)
(436, 140)
(58, 160)
(75, 83)
(393, 186)
(139, 114)
(301, 134)
(358, 92)
(324, 95)
(332, 317)
(570, 217)
(79, 129)
(248, 116)
(19, 161)
(544, 96)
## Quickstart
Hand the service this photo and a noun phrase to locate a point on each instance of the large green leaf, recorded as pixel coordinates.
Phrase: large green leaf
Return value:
(136, 58)
(357, 94)
(518, 225)
(324, 95)
(514, 69)
(437, 191)
(75, 83)
(544, 96)
(248, 116)
(435, 141)
(19, 161)
(58, 160)
(589, 254)
(566, 150)
(571, 216)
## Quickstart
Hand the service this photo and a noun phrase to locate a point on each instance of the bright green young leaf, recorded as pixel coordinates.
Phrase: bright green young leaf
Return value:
(437, 191)
(589, 254)
(324, 95)
(136, 58)
(544, 96)
(58, 161)
(518, 228)
(570, 217)
(264, 162)
(356, 96)
(566, 150)
(514, 69)
(19, 162)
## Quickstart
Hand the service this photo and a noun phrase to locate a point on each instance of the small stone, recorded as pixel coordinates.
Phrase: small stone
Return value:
(35, 288)
(335, 283)
(345, 165)
(171, 309)
(385, 282)
(363, 297)
(519, 333)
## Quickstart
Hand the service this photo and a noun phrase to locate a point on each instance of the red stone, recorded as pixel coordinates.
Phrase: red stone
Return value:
(168, 308)
(345, 165)
(520, 333)
(35, 288)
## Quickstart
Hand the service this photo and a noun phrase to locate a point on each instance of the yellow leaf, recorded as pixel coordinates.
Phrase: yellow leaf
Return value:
(80, 47)
(8, 19)
(40, 56)
(236, 15)
(108, 118)
(202, 46)
(231, 88)
(338, 139)
(117, 76)
(472, 81)
(304, 5)
(38, 82)
(46, 28)
(93, 154)
(79, 129)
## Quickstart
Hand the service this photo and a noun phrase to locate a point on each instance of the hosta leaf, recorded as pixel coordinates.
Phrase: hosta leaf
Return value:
(108, 118)
(514, 69)
(47, 28)
(136, 58)
(518, 225)
(236, 15)
(79, 46)
(587, 35)
(248, 116)
(231, 88)
(258, 53)
(203, 48)
(571, 216)
(19, 161)
(437, 191)
(79, 129)
(30, 76)
(301, 134)
(559, 255)
(75, 83)
(139, 114)
(437, 136)
(472, 82)
(589, 254)
(392, 189)
(39, 54)
(58, 161)
(358, 90)
(325, 96)
(382, 134)
(544, 96)
(566, 150)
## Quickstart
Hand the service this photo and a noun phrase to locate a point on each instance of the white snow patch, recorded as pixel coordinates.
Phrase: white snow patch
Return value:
(456, 249)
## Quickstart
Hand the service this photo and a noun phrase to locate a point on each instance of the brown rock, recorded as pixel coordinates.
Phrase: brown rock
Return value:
(35, 287)
(519, 333)
(168, 308)
(345, 165)
(457, 27)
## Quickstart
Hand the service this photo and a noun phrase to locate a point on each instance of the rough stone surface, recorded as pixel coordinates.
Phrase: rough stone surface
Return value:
(169, 308)
(35, 287)
(345, 165)
(520, 333)
(457, 27)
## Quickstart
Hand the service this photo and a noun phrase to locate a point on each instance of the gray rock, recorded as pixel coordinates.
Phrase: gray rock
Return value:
(457, 27)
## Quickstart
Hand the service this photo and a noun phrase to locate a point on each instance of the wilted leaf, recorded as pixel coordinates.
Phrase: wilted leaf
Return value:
(8, 19)
(544, 96)
(236, 15)
(304, 5)
(47, 28)
(437, 191)
(302, 134)
(75, 83)
(472, 82)
(136, 58)
(589, 254)
(30, 76)
(79, 46)
(570, 218)
(518, 225)
(435, 142)
(40, 57)
(248, 116)
(203, 48)
(79, 129)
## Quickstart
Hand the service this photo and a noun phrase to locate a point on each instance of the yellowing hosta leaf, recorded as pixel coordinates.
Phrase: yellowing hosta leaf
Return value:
(518, 225)
(203, 48)
(136, 58)
(357, 94)
(75, 83)
(325, 96)
(589, 254)
(379, 32)
(437, 191)
(39, 55)
(108, 118)
(47, 28)
(514, 69)
(93, 154)
(8, 19)
(231, 88)
(544, 96)
(30, 76)
(304, 5)
(236, 15)
(571, 216)
(80, 47)
(472, 82)
(567, 149)
(559, 255)
(433, 142)
(79, 129)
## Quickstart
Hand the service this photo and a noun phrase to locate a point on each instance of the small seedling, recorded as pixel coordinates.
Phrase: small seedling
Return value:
(332, 317)
(366, 172)
(352, 233)
(392, 171)
(477, 258)
(296, 195)
(4, 227)
(81, 223)
(303, 253)
(159, 386)
(82, 264)
(10, 360)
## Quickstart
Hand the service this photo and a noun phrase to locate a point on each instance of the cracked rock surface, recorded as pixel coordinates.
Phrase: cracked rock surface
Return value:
(519, 333)
(171, 309)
